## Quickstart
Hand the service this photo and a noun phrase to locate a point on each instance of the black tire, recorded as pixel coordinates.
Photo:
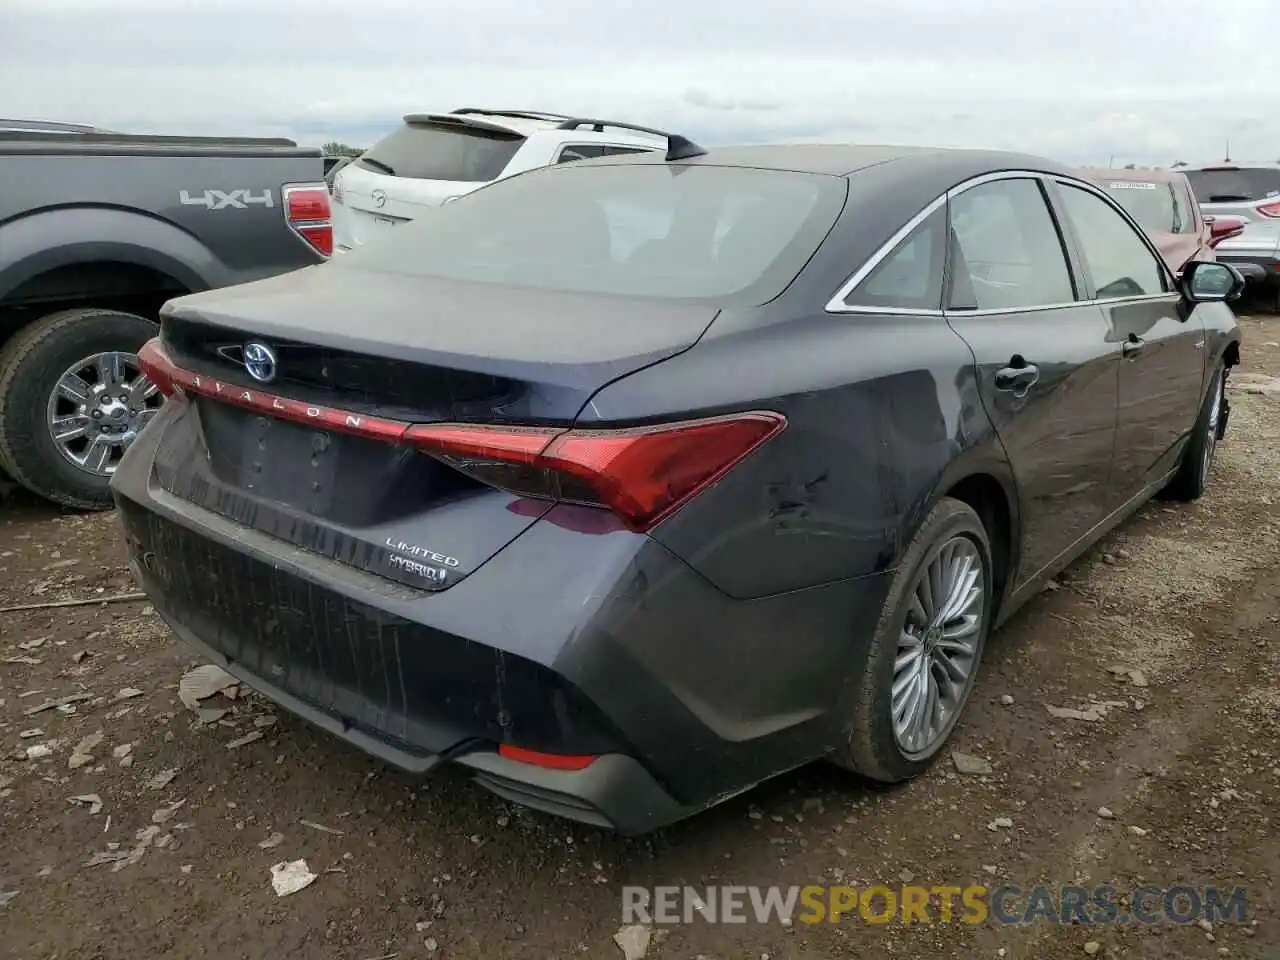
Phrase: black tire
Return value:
(30, 365)
(1196, 466)
(870, 747)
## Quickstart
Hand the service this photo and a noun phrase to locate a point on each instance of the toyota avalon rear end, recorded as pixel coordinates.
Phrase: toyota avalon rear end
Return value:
(402, 495)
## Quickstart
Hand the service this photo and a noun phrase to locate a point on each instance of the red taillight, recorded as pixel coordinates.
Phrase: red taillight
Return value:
(549, 761)
(308, 212)
(642, 474)
(1221, 228)
(1271, 209)
(156, 366)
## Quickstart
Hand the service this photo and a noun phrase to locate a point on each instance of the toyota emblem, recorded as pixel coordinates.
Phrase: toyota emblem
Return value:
(260, 361)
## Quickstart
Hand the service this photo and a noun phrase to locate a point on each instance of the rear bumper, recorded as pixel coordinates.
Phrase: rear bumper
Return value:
(565, 642)
(1255, 269)
(616, 791)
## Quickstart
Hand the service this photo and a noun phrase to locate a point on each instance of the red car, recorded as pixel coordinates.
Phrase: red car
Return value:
(1164, 206)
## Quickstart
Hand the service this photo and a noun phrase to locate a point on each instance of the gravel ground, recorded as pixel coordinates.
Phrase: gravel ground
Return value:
(158, 839)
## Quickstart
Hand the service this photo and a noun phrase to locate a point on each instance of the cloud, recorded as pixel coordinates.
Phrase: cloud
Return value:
(1143, 81)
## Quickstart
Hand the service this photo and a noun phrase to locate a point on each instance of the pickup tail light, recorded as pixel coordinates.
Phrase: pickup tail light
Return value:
(1271, 209)
(309, 214)
(640, 474)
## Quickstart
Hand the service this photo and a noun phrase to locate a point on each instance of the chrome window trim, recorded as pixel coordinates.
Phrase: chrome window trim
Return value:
(836, 304)
(888, 311)
(1106, 302)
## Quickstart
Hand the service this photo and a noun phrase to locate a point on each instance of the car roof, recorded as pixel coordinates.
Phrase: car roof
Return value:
(843, 159)
(1131, 176)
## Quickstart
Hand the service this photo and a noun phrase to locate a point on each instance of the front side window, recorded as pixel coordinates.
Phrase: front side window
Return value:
(1006, 250)
(1118, 261)
(910, 277)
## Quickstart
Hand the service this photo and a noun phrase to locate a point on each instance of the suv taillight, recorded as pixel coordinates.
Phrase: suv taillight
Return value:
(308, 213)
(1271, 209)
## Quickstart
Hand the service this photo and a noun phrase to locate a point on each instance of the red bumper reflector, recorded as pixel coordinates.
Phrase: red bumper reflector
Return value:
(548, 761)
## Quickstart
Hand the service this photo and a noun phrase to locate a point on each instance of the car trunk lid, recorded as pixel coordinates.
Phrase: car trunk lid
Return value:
(312, 454)
(1256, 240)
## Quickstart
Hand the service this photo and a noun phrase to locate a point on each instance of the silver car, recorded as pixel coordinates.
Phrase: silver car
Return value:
(1248, 190)
(1255, 254)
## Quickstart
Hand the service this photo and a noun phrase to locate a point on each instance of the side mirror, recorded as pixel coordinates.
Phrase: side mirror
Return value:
(1208, 281)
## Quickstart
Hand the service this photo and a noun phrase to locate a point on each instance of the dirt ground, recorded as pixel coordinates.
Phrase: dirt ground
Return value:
(1185, 758)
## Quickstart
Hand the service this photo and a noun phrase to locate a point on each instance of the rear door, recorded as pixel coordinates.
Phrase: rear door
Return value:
(1162, 342)
(1046, 363)
(417, 168)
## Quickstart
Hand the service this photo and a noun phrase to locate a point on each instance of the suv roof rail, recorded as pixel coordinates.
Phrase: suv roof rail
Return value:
(522, 114)
(678, 147)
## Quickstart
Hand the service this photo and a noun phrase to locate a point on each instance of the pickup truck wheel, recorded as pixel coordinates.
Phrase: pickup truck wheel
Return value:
(72, 400)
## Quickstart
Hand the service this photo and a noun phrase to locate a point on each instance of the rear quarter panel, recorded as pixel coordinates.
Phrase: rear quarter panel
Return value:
(130, 207)
(882, 415)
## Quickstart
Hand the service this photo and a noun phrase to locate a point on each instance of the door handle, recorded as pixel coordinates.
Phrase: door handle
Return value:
(1132, 347)
(1017, 378)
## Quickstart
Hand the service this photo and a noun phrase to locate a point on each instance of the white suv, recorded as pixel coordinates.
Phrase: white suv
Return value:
(434, 158)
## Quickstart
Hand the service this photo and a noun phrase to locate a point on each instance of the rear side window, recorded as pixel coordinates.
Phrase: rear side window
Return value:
(1234, 184)
(585, 151)
(1188, 203)
(430, 151)
(910, 278)
(1006, 251)
(669, 231)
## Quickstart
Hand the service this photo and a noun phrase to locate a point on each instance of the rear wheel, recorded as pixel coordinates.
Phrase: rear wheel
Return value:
(72, 400)
(926, 649)
(1192, 478)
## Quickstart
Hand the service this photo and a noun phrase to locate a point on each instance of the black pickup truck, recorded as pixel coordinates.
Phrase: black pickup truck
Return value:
(97, 230)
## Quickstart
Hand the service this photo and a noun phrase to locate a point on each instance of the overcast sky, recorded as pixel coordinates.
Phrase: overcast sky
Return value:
(1145, 81)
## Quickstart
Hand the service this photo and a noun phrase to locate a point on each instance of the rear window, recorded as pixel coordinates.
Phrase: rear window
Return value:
(1234, 184)
(429, 151)
(686, 232)
(1153, 205)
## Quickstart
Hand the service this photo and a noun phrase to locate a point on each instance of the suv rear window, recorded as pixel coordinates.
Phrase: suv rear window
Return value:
(1234, 184)
(442, 151)
(644, 229)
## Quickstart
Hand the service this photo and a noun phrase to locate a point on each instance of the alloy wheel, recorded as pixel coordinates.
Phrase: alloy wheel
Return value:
(97, 408)
(938, 647)
(1211, 440)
